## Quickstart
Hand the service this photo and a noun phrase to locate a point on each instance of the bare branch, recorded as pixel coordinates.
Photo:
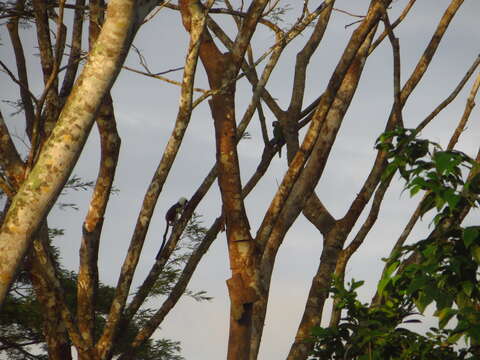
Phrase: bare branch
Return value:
(159, 77)
(105, 343)
(75, 51)
(393, 26)
(24, 87)
(25, 93)
(396, 69)
(10, 160)
(178, 290)
(466, 114)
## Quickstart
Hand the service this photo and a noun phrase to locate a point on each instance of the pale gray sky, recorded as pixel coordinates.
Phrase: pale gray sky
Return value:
(146, 110)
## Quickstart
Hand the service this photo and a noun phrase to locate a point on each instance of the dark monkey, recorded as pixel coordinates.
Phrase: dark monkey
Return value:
(171, 218)
(278, 138)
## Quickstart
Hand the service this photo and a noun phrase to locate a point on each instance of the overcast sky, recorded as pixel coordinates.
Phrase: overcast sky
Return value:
(146, 110)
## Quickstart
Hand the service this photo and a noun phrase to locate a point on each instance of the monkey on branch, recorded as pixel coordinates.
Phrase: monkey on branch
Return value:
(171, 217)
(278, 138)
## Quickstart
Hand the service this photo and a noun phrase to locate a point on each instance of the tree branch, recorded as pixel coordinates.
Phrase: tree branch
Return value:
(105, 343)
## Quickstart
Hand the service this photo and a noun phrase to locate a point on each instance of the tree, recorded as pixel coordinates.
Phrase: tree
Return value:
(58, 122)
(22, 320)
(441, 269)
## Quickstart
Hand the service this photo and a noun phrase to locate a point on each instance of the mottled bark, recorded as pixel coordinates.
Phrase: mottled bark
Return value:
(46, 119)
(334, 241)
(48, 272)
(58, 344)
(335, 238)
(59, 154)
(178, 290)
(56, 337)
(10, 161)
(451, 144)
(400, 18)
(251, 260)
(105, 343)
(430, 51)
(92, 226)
(325, 125)
(466, 114)
(357, 241)
(298, 191)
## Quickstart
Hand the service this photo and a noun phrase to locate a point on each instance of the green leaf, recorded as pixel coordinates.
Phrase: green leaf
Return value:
(356, 284)
(319, 331)
(414, 190)
(391, 268)
(439, 202)
(427, 204)
(474, 184)
(444, 316)
(387, 277)
(443, 161)
(476, 253)
(452, 198)
(467, 287)
(474, 333)
(463, 300)
(382, 284)
(430, 250)
(417, 283)
(423, 301)
(391, 168)
(452, 339)
(469, 235)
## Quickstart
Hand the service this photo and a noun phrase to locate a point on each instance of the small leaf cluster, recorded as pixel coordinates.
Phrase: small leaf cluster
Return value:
(375, 332)
(446, 275)
(426, 167)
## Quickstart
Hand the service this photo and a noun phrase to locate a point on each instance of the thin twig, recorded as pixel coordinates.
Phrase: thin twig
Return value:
(466, 114)
(14, 79)
(155, 12)
(159, 77)
(348, 13)
(396, 68)
(450, 98)
(394, 25)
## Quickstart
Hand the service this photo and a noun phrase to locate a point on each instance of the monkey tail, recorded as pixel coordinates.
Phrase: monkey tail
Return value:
(163, 242)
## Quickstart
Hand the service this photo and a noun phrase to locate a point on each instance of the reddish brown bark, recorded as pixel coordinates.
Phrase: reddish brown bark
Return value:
(221, 71)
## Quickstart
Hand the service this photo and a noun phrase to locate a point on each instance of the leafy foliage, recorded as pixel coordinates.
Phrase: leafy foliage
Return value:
(425, 166)
(376, 332)
(441, 270)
